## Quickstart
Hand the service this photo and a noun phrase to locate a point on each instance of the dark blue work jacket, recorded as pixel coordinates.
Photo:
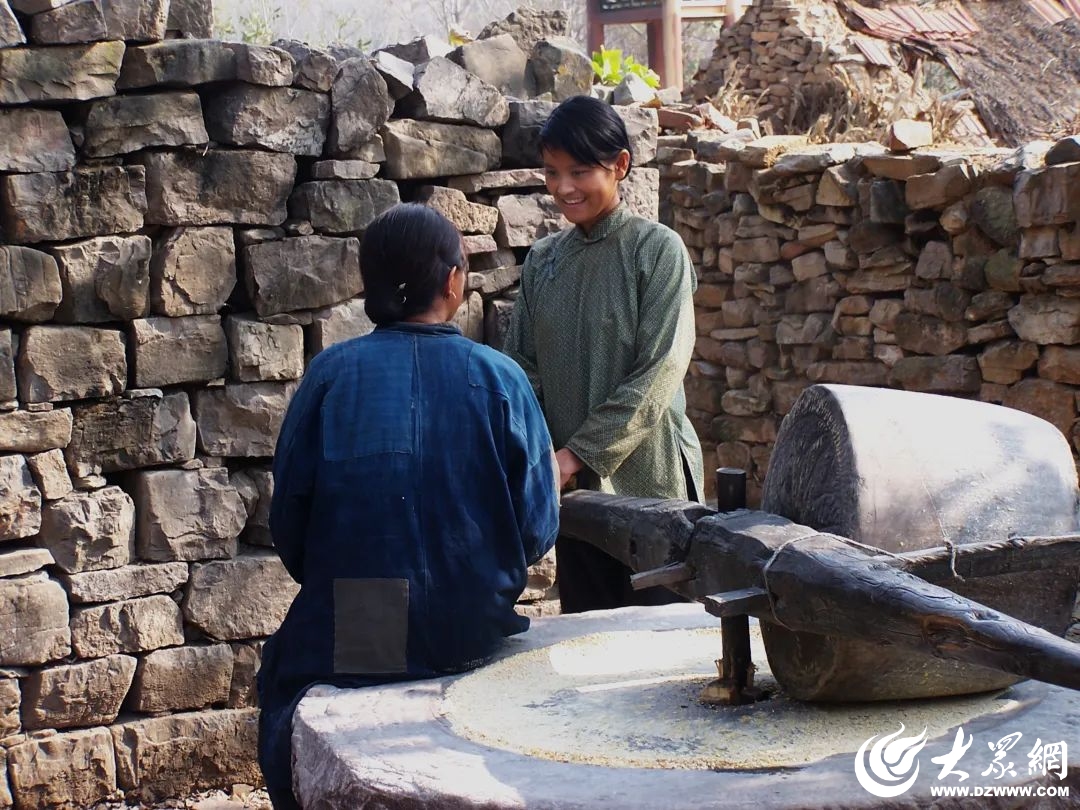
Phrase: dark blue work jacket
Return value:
(413, 485)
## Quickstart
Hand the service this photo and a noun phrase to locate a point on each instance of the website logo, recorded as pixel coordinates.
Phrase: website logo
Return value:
(890, 760)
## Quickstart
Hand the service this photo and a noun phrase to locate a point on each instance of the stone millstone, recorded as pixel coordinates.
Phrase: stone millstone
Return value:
(601, 711)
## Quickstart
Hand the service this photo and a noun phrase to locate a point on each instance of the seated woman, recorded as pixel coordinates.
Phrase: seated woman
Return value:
(413, 485)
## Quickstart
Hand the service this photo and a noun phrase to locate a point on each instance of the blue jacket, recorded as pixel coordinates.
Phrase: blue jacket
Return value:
(413, 485)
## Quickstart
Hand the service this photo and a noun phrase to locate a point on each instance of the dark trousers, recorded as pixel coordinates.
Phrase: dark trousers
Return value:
(590, 579)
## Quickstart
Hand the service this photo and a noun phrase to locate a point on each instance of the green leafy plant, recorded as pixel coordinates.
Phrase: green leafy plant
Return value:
(612, 67)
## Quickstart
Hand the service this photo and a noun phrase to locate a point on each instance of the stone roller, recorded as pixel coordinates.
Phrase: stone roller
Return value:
(887, 564)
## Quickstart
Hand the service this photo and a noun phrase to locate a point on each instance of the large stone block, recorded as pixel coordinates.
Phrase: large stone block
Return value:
(29, 284)
(339, 323)
(282, 119)
(6, 801)
(925, 334)
(33, 621)
(70, 362)
(470, 317)
(50, 472)
(246, 661)
(497, 312)
(256, 488)
(14, 563)
(170, 351)
(131, 432)
(65, 73)
(73, 23)
(191, 19)
(342, 206)
(88, 531)
(172, 756)
(312, 69)
(304, 272)
(498, 61)
(104, 279)
(521, 135)
(7, 367)
(641, 193)
(34, 141)
(263, 351)
(43, 772)
(1054, 402)
(524, 218)
(468, 217)
(361, 103)
(177, 63)
(559, 67)
(263, 64)
(187, 514)
(129, 582)
(136, 20)
(1049, 196)
(419, 149)
(87, 693)
(11, 34)
(444, 91)
(69, 205)
(20, 500)
(34, 432)
(242, 419)
(239, 599)
(123, 124)
(10, 696)
(135, 625)
(236, 187)
(1046, 319)
(183, 678)
(951, 374)
(193, 271)
(1060, 364)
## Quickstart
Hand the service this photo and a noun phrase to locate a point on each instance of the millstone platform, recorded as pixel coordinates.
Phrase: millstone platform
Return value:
(601, 710)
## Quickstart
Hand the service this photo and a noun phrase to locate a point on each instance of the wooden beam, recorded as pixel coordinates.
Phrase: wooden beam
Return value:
(973, 560)
(667, 575)
(745, 602)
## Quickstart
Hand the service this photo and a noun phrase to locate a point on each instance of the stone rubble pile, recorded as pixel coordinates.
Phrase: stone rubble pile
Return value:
(950, 272)
(179, 235)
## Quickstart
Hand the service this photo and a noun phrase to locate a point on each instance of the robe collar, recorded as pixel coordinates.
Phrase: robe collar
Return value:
(421, 328)
(606, 226)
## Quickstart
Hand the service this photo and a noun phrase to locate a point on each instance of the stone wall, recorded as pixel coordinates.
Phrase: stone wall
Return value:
(180, 235)
(940, 271)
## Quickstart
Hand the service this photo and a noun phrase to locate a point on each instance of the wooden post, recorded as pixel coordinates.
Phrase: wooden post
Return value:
(594, 26)
(654, 30)
(737, 665)
(671, 74)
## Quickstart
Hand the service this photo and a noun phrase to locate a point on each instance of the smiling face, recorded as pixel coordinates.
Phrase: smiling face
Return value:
(584, 192)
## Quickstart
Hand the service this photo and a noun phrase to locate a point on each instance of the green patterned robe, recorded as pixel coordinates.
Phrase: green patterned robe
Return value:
(604, 328)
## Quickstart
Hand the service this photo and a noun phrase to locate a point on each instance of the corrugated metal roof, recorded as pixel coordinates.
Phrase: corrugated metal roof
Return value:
(875, 51)
(1050, 10)
(906, 21)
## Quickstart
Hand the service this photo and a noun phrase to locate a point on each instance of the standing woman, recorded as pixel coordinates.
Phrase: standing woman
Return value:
(413, 485)
(604, 328)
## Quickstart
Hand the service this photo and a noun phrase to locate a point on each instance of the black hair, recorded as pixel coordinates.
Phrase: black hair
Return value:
(405, 259)
(587, 129)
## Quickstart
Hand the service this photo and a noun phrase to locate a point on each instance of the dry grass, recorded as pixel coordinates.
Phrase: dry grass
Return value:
(854, 106)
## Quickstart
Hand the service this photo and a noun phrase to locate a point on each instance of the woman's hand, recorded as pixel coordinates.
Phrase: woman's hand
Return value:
(569, 464)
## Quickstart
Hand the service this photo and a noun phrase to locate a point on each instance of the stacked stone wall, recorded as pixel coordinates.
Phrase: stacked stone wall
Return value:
(180, 235)
(949, 272)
